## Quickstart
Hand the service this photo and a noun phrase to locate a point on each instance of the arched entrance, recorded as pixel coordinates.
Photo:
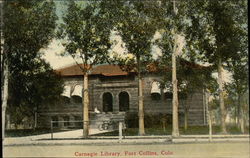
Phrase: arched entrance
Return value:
(123, 101)
(107, 102)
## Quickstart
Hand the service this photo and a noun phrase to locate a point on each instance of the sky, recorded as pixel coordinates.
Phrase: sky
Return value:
(52, 55)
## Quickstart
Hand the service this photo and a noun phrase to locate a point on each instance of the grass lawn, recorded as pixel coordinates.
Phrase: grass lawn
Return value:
(192, 130)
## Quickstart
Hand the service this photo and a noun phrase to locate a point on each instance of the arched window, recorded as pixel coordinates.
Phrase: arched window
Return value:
(123, 101)
(77, 94)
(107, 102)
(168, 95)
(168, 91)
(77, 91)
(66, 91)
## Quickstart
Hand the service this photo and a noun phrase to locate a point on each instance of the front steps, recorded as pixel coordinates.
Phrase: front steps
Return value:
(111, 120)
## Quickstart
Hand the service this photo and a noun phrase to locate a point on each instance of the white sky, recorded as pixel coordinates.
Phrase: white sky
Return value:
(52, 55)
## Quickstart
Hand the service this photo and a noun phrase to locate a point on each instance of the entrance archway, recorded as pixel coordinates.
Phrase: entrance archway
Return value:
(123, 101)
(107, 102)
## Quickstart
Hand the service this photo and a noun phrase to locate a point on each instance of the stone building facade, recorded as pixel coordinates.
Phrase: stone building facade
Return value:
(114, 93)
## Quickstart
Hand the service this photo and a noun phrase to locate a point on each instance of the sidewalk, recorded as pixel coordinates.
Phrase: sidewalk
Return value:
(74, 134)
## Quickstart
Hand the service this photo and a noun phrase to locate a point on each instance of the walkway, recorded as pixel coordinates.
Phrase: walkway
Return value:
(74, 134)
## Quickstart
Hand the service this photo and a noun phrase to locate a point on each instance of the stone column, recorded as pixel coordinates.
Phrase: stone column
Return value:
(115, 102)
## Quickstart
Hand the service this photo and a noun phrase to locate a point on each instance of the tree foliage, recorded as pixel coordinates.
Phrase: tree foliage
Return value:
(216, 29)
(28, 27)
(137, 29)
(85, 33)
(216, 32)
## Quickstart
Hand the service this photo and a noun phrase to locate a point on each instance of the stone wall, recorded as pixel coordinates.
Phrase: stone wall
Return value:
(98, 85)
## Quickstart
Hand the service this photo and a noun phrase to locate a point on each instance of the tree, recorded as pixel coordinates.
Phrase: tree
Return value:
(238, 67)
(28, 27)
(172, 23)
(86, 36)
(238, 87)
(32, 89)
(137, 30)
(192, 78)
(214, 29)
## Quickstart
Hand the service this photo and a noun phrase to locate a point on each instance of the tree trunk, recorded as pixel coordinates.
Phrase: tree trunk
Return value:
(209, 114)
(242, 122)
(241, 115)
(4, 95)
(140, 100)
(244, 116)
(175, 130)
(221, 98)
(4, 77)
(210, 125)
(238, 111)
(236, 115)
(35, 118)
(186, 119)
(85, 107)
(34, 123)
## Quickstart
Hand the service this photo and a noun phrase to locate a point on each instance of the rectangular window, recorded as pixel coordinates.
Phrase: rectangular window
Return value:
(66, 118)
(78, 122)
(55, 123)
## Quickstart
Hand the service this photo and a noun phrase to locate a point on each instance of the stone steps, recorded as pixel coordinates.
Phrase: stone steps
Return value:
(98, 119)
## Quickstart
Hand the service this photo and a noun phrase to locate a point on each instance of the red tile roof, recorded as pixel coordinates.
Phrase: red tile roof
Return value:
(116, 70)
(106, 70)
(70, 71)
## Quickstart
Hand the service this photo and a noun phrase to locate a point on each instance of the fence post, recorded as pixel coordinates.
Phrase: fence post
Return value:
(51, 128)
(120, 131)
(210, 127)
